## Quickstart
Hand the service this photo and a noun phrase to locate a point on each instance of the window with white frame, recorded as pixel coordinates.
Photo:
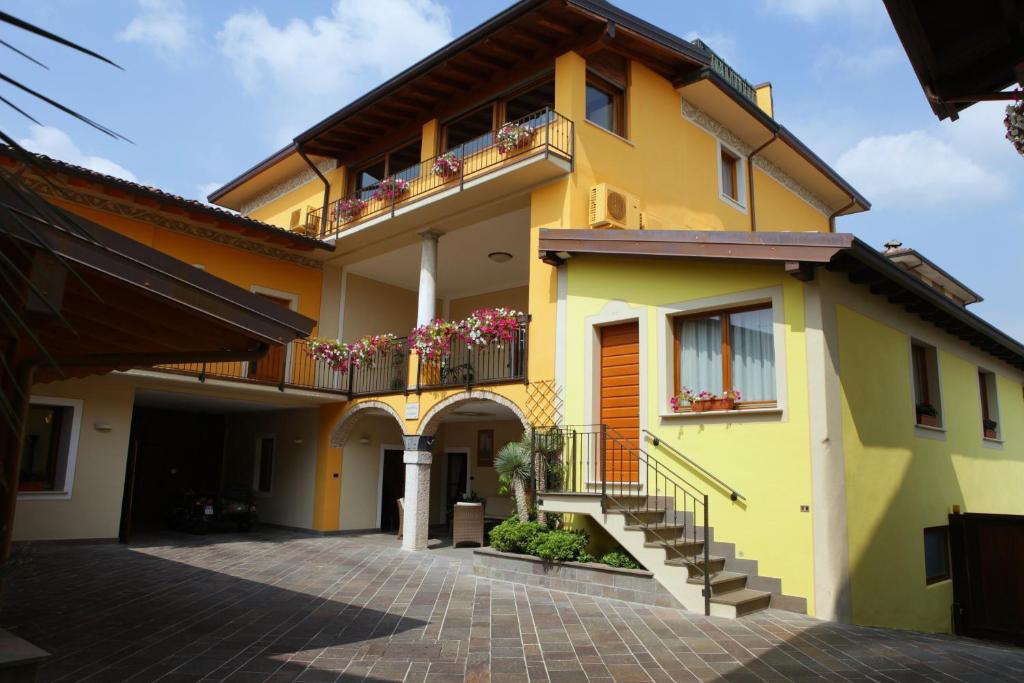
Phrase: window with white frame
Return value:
(989, 404)
(263, 474)
(731, 176)
(728, 350)
(51, 442)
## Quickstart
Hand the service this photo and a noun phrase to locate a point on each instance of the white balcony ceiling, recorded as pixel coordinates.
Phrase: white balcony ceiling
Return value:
(463, 266)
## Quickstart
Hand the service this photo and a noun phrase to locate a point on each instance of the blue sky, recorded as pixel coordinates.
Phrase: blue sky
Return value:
(210, 88)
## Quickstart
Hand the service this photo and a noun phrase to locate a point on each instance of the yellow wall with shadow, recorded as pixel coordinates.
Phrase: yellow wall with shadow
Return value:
(901, 479)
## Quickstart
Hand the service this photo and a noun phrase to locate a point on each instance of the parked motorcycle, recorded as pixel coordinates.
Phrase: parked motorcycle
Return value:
(199, 513)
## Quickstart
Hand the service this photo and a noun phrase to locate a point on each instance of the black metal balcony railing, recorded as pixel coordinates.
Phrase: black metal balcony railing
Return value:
(468, 367)
(388, 374)
(287, 366)
(550, 133)
(720, 67)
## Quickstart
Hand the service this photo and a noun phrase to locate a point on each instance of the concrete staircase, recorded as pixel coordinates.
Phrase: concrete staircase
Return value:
(671, 545)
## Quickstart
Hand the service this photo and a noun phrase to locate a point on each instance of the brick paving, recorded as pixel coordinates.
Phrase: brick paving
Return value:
(280, 606)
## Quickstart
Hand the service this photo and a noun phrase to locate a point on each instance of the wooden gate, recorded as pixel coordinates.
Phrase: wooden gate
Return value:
(987, 553)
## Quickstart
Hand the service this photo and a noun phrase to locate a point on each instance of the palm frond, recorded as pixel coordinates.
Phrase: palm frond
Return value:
(32, 28)
(67, 110)
(29, 57)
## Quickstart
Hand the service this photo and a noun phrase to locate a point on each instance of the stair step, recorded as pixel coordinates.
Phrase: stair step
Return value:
(722, 583)
(687, 544)
(746, 600)
(640, 517)
(696, 567)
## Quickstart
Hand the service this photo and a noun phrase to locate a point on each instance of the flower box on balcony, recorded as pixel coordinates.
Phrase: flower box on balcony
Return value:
(348, 209)
(447, 166)
(513, 137)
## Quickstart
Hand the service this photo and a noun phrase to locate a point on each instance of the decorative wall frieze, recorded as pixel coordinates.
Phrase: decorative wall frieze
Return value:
(704, 120)
(287, 185)
(159, 219)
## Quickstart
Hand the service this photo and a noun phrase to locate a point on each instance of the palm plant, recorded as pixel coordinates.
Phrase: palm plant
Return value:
(513, 465)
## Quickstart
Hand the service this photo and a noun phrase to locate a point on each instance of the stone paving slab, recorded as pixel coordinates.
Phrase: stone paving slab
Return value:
(281, 606)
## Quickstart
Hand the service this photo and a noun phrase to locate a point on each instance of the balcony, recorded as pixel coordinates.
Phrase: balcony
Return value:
(284, 367)
(470, 174)
(473, 367)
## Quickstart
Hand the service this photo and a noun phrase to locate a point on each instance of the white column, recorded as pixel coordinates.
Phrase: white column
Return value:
(426, 310)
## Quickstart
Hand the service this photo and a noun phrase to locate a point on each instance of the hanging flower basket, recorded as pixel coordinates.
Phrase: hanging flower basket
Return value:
(486, 326)
(390, 189)
(704, 401)
(447, 166)
(348, 209)
(513, 136)
(432, 341)
(1014, 122)
(344, 357)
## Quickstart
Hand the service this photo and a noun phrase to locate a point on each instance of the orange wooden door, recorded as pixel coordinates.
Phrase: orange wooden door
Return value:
(620, 399)
(270, 368)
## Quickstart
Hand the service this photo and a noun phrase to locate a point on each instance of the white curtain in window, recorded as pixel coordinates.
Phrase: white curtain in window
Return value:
(700, 361)
(753, 354)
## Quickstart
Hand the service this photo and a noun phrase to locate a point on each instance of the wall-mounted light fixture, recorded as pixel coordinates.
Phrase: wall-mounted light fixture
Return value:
(364, 439)
(102, 426)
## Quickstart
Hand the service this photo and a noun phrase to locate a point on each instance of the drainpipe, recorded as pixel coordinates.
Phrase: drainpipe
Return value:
(327, 193)
(750, 180)
(832, 217)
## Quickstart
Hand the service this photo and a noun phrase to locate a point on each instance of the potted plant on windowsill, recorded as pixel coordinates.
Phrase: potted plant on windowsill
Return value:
(927, 415)
(990, 427)
(704, 401)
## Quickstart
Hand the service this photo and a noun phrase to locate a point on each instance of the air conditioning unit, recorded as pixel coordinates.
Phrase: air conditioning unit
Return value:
(613, 208)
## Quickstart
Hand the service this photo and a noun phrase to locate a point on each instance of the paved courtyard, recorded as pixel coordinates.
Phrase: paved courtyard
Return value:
(279, 606)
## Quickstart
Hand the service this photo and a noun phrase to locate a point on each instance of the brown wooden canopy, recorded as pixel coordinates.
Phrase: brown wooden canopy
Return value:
(127, 304)
(963, 51)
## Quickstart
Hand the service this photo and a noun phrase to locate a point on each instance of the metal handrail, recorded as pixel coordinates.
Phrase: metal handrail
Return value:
(633, 480)
(733, 493)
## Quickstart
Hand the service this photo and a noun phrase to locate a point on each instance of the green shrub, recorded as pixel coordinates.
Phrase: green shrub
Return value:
(586, 557)
(513, 536)
(559, 546)
(621, 559)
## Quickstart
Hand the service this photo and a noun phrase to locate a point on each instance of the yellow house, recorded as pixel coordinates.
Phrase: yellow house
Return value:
(636, 201)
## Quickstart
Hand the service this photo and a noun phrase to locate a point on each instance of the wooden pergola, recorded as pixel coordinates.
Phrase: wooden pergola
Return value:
(962, 52)
(100, 302)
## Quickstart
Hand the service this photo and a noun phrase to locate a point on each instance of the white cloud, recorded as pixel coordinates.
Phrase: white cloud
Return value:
(860, 62)
(813, 10)
(163, 25)
(55, 143)
(333, 56)
(722, 43)
(917, 168)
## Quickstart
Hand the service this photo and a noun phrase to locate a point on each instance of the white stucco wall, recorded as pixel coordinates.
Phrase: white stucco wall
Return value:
(94, 508)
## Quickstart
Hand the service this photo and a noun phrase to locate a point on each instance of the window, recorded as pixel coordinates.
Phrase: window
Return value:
(533, 100)
(924, 365)
(51, 436)
(936, 554)
(402, 162)
(472, 132)
(989, 404)
(730, 175)
(605, 105)
(728, 350)
(264, 474)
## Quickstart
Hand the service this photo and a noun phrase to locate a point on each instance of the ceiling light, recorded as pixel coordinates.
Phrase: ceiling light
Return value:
(500, 256)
